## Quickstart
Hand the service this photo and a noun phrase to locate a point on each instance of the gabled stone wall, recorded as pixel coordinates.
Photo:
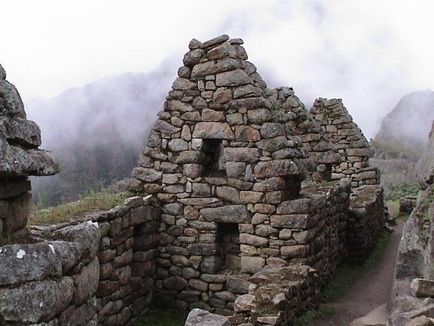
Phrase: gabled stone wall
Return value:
(302, 124)
(348, 140)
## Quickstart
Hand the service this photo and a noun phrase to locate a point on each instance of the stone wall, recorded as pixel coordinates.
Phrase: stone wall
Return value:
(322, 153)
(366, 220)
(19, 158)
(99, 272)
(126, 252)
(348, 140)
(53, 280)
(277, 296)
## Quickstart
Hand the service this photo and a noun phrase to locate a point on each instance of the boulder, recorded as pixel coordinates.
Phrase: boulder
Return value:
(205, 318)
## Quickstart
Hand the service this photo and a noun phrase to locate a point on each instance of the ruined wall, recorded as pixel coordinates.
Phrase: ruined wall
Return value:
(366, 220)
(52, 280)
(19, 158)
(350, 142)
(228, 169)
(99, 272)
(126, 253)
(302, 124)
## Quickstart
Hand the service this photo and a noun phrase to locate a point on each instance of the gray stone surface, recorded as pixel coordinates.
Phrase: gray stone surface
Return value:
(205, 318)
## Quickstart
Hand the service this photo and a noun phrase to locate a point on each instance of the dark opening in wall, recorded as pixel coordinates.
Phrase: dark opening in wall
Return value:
(228, 240)
(214, 163)
(293, 187)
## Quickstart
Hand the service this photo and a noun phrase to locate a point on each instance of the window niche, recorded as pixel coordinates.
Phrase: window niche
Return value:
(214, 162)
(228, 241)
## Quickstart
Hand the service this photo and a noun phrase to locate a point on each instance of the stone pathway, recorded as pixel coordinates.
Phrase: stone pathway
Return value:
(369, 292)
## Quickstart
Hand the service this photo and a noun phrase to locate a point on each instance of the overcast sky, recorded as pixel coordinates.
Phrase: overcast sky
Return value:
(369, 53)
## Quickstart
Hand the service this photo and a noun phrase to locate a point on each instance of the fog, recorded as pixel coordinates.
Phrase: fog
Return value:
(369, 53)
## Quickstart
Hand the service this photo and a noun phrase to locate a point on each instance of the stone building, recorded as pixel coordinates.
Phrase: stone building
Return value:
(227, 159)
(242, 215)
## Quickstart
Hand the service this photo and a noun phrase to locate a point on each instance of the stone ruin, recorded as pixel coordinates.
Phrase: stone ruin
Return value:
(249, 209)
(19, 159)
(227, 159)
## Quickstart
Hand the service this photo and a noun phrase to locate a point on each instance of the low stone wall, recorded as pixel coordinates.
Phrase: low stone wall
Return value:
(366, 220)
(277, 296)
(99, 271)
(309, 230)
(52, 281)
(126, 251)
(407, 204)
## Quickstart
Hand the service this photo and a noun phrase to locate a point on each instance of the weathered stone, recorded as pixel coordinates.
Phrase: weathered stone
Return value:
(228, 194)
(276, 168)
(241, 154)
(222, 95)
(183, 84)
(233, 78)
(193, 57)
(175, 283)
(35, 301)
(205, 318)
(296, 221)
(86, 283)
(213, 130)
(244, 302)
(226, 214)
(210, 68)
(174, 106)
(422, 287)
(237, 285)
(246, 133)
(253, 240)
(251, 264)
(259, 116)
(296, 206)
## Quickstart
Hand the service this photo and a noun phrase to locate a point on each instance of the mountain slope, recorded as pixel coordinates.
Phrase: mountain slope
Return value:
(404, 131)
(96, 131)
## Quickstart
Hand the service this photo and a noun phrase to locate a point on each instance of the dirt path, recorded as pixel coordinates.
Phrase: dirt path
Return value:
(372, 290)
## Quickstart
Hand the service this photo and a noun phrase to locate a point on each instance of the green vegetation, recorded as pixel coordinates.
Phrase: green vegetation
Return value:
(309, 317)
(393, 206)
(402, 190)
(162, 318)
(94, 201)
(346, 275)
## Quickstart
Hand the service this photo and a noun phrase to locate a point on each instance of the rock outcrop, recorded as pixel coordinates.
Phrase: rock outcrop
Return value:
(413, 291)
(19, 158)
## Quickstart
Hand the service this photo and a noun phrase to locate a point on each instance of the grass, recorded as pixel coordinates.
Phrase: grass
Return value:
(402, 190)
(345, 276)
(162, 318)
(309, 317)
(94, 201)
(393, 206)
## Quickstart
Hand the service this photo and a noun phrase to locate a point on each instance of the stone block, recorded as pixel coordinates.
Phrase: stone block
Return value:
(227, 214)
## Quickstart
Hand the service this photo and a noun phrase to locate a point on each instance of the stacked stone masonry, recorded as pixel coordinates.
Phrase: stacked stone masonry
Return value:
(19, 158)
(245, 217)
(98, 272)
(349, 141)
(227, 159)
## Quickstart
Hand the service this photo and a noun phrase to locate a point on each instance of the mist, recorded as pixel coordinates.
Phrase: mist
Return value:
(368, 53)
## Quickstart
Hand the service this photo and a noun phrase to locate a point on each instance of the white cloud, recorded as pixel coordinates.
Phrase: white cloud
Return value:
(370, 53)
